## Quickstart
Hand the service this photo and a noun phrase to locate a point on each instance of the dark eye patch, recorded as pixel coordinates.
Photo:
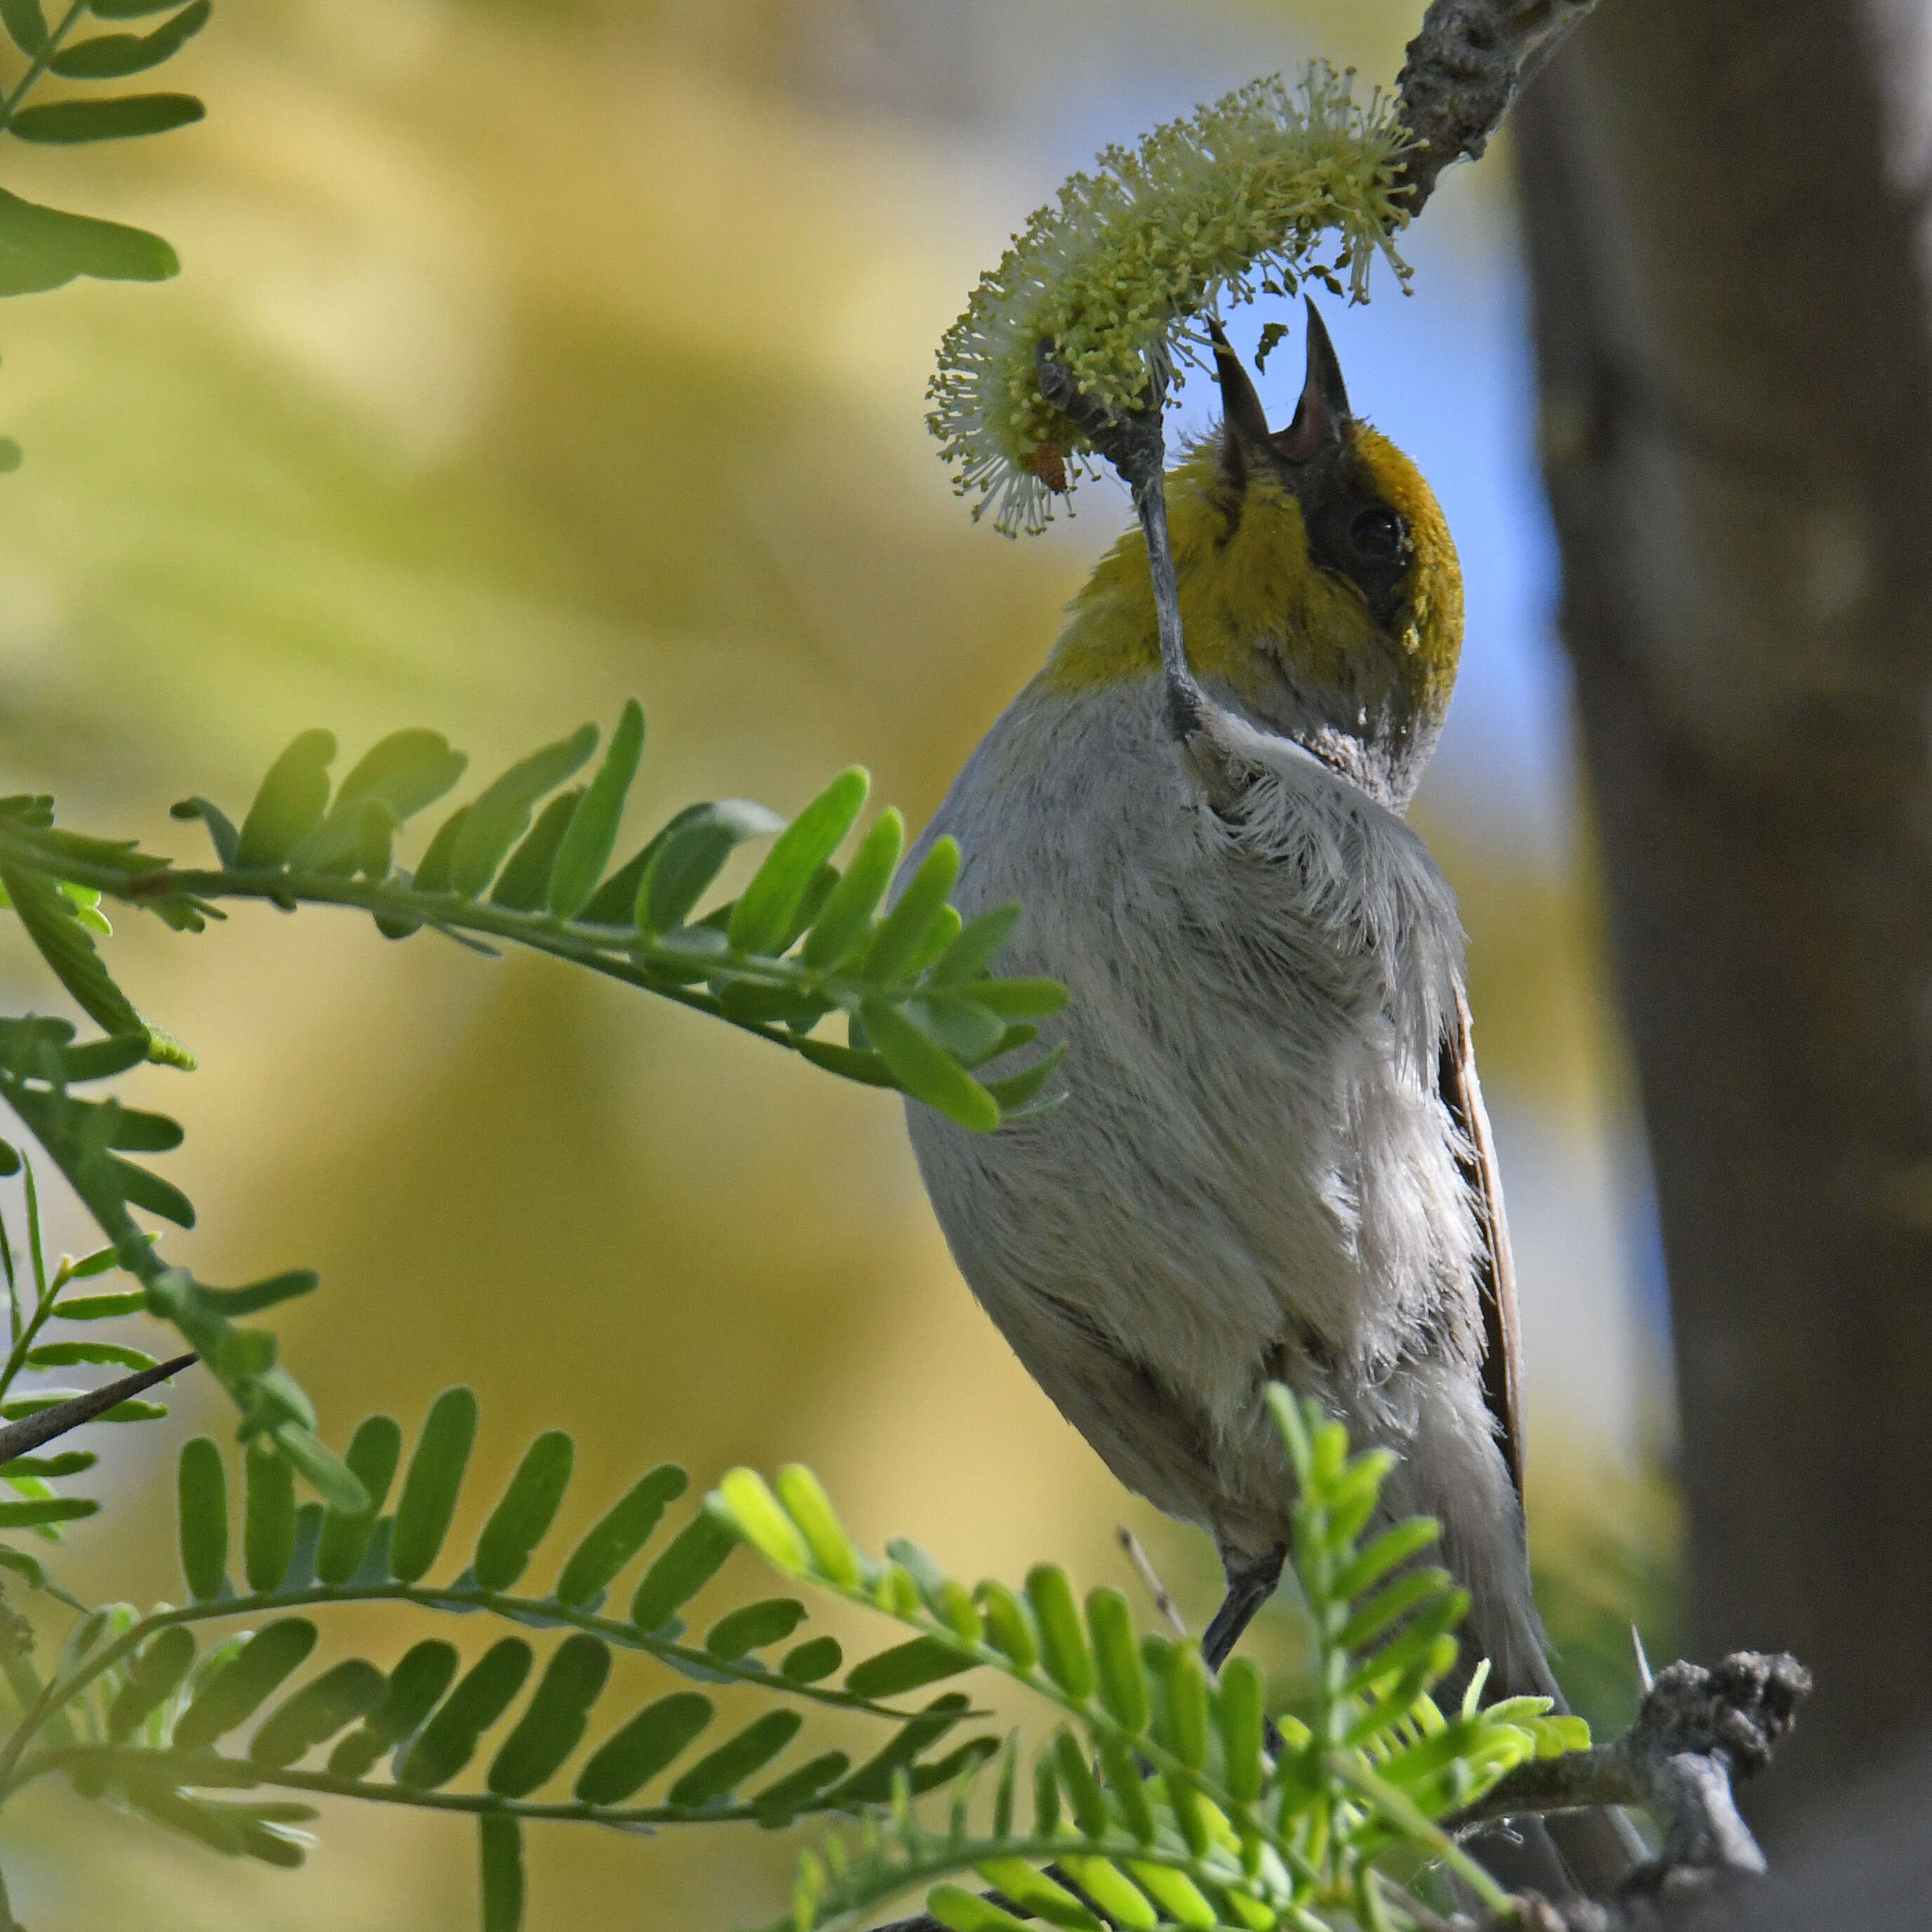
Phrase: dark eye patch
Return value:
(1376, 533)
(1366, 541)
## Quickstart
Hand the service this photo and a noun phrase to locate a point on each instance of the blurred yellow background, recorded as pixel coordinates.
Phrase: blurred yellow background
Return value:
(528, 356)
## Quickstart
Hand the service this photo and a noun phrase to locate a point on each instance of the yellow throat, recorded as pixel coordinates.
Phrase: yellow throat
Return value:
(1319, 586)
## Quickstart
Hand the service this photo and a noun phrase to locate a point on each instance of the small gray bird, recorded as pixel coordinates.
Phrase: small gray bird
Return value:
(1272, 1160)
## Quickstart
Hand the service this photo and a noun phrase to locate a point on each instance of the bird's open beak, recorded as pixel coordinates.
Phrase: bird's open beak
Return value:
(1323, 410)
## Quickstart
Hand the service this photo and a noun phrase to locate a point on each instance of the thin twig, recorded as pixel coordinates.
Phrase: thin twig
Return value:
(1163, 1602)
(31, 1431)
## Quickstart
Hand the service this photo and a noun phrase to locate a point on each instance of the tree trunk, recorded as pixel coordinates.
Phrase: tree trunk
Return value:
(1724, 218)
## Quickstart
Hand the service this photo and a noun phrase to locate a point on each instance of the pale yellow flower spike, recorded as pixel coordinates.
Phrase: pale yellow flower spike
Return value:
(1229, 202)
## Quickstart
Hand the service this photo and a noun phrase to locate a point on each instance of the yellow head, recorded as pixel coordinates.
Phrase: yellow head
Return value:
(1319, 588)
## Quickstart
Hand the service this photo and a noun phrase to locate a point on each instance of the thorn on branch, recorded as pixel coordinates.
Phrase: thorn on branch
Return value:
(30, 1431)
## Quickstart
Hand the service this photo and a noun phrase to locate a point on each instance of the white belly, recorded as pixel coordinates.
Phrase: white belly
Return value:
(1251, 1175)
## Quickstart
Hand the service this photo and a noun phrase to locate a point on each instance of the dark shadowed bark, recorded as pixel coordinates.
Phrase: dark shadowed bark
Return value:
(1723, 200)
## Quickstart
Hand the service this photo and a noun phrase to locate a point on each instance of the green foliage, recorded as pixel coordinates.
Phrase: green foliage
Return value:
(42, 248)
(137, 1712)
(803, 942)
(1159, 1799)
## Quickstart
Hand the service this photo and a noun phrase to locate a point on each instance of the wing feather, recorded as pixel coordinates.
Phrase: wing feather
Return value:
(1502, 1355)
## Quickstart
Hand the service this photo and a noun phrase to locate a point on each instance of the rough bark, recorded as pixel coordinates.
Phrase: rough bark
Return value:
(1736, 369)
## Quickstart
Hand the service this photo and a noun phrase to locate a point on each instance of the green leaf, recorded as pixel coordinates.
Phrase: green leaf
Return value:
(1396, 1545)
(232, 1695)
(1014, 1092)
(128, 10)
(1368, 1620)
(433, 875)
(268, 1526)
(449, 1740)
(904, 928)
(764, 909)
(848, 1063)
(1242, 1720)
(500, 817)
(1020, 999)
(525, 879)
(415, 1685)
(1114, 1892)
(620, 1534)
(848, 914)
(65, 122)
(26, 25)
(1117, 1654)
(63, 942)
(1417, 1644)
(810, 1508)
(290, 803)
(45, 1510)
(690, 852)
(873, 1782)
(499, 1852)
(906, 1667)
(314, 1461)
(529, 1506)
(374, 1452)
(346, 1691)
(962, 1911)
(42, 248)
(222, 834)
(113, 56)
(407, 772)
(1062, 1645)
(692, 1558)
(753, 1626)
(430, 1490)
(592, 836)
(203, 1490)
(1038, 1894)
(1010, 1629)
(635, 1754)
(742, 1500)
(69, 1355)
(553, 1725)
(927, 1072)
(68, 1463)
(155, 1675)
(973, 951)
(721, 1771)
(778, 1802)
(258, 1295)
(958, 1026)
(103, 1260)
(812, 1661)
(11, 455)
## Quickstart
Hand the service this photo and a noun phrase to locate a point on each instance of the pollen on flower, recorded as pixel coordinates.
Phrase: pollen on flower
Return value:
(1228, 203)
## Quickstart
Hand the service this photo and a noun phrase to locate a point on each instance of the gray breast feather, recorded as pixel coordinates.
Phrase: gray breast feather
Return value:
(1251, 1158)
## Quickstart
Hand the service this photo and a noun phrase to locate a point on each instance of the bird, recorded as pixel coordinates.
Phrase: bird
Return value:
(1269, 1160)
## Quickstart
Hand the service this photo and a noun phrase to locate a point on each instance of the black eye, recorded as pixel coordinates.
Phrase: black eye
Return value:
(1376, 533)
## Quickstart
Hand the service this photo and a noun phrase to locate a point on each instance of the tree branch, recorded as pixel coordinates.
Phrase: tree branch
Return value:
(1463, 71)
(1697, 1730)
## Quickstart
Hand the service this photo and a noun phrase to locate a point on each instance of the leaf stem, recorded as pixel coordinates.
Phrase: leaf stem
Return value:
(60, 1692)
(40, 62)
